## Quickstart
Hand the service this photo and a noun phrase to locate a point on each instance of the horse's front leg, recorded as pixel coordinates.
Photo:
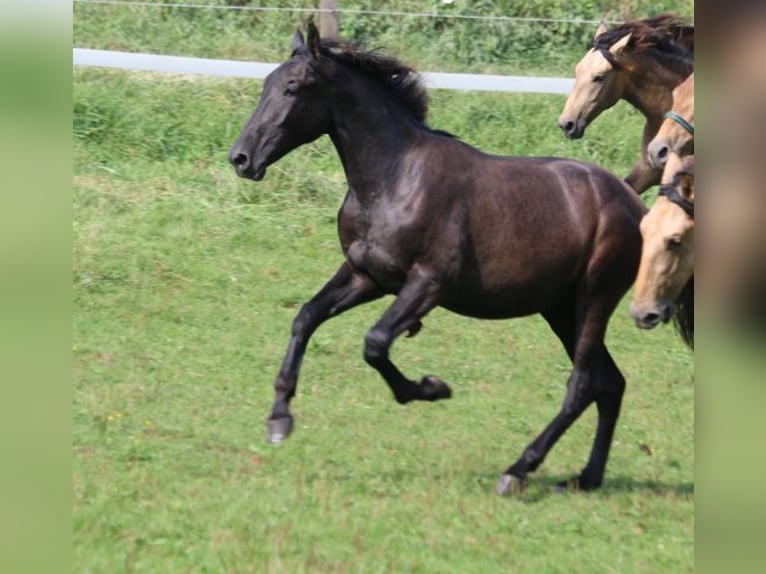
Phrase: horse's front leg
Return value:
(416, 298)
(344, 291)
(643, 175)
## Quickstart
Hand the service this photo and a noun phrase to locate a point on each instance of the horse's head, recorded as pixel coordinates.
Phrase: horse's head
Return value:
(292, 110)
(599, 84)
(667, 257)
(676, 134)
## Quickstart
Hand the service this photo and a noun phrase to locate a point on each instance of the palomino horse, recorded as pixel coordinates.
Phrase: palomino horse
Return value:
(676, 134)
(436, 222)
(665, 281)
(640, 62)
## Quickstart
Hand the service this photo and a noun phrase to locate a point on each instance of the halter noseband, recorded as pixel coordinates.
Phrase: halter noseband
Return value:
(676, 117)
(670, 191)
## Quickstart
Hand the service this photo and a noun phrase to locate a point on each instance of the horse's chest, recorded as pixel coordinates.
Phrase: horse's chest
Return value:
(377, 261)
(381, 251)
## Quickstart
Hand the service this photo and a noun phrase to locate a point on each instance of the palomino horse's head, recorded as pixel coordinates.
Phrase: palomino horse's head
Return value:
(667, 257)
(292, 110)
(676, 134)
(599, 84)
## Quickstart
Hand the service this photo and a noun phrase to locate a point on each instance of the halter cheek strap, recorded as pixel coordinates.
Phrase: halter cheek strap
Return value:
(680, 121)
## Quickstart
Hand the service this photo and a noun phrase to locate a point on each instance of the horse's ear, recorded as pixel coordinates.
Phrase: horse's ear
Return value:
(313, 38)
(686, 186)
(298, 41)
(620, 44)
(602, 27)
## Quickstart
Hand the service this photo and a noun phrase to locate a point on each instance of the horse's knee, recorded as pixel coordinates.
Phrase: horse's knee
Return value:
(302, 319)
(375, 347)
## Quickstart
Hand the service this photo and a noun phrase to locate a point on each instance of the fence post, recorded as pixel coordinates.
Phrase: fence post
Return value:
(328, 19)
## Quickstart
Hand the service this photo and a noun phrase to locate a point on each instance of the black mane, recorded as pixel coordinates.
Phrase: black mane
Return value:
(665, 32)
(401, 80)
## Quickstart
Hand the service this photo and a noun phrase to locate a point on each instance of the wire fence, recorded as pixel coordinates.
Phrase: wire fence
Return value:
(351, 11)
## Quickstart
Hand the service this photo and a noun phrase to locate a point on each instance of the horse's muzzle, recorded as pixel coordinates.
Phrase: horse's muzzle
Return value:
(244, 166)
(572, 129)
(657, 153)
(650, 318)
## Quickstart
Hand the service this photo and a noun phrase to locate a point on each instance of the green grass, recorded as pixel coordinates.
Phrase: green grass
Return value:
(186, 280)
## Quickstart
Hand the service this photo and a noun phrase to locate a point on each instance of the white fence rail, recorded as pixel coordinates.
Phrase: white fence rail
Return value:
(259, 70)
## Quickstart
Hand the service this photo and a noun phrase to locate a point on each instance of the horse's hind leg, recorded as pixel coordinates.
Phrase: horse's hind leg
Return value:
(610, 386)
(585, 385)
(579, 396)
(345, 290)
(418, 296)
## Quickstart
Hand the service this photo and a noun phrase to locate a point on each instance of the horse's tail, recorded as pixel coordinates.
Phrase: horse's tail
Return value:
(684, 314)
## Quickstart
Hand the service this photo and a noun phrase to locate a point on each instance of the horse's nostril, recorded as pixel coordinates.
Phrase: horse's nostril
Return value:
(240, 159)
(662, 153)
(569, 127)
(651, 318)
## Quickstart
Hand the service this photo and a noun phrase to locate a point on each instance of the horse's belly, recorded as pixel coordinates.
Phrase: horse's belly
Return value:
(514, 303)
(515, 294)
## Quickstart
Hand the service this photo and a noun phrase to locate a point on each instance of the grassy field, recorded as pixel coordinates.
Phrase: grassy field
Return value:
(185, 282)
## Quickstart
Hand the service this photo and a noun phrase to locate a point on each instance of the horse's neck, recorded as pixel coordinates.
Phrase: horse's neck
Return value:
(370, 145)
(650, 87)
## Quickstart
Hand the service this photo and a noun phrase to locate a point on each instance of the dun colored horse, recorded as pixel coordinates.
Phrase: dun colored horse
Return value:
(676, 133)
(436, 222)
(665, 281)
(640, 62)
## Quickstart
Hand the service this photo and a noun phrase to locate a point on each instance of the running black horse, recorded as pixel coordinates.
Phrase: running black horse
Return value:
(437, 222)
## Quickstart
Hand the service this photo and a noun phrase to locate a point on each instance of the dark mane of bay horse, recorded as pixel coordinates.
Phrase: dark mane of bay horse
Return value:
(665, 33)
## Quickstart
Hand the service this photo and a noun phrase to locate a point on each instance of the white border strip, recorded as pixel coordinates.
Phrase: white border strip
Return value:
(259, 70)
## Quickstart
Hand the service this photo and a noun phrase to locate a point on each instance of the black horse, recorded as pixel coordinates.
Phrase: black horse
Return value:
(439, 223)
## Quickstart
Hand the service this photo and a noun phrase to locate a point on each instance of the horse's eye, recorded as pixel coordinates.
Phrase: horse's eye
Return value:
(291, 88)
(674, 243)
(599, 78)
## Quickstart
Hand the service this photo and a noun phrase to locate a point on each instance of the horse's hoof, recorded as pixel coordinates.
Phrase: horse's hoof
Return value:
(414, 330)
(434, 389)
(575, 484)
(509, 484)
(566, 486)
(279, 429)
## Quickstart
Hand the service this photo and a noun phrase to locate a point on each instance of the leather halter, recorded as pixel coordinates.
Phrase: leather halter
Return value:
(679, 119)
(670, 191)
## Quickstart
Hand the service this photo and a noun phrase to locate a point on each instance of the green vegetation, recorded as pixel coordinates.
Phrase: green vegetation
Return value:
(456, 42)
(185, 283)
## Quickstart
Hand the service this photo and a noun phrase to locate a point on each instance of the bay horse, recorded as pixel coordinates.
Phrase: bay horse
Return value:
(665, 281)
(676, 133)
(436, 222)
(639, 61)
